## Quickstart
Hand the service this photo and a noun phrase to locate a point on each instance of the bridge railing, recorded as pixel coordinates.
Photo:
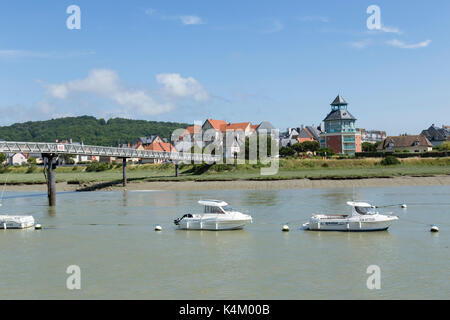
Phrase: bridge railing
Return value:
(86, 150)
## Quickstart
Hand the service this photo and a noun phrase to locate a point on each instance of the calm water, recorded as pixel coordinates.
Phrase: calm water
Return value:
(110, 236)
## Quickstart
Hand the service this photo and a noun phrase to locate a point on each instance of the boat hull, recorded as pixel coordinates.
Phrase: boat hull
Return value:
(197, 224)
(349, 226)
(16, 222)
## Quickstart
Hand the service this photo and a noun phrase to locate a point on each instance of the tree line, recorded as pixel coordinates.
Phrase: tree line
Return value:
(88, 130)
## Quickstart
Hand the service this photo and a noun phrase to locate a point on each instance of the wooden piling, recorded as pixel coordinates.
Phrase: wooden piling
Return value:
(124, 169)
(51, 179)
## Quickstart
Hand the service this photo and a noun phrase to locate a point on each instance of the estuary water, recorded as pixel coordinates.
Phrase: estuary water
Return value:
(110, 236)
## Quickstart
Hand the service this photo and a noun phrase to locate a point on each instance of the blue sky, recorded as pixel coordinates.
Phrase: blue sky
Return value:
(281, 61)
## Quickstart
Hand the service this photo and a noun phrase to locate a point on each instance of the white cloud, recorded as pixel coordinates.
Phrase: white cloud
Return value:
(391, 30)
(361, 44)
(105, 84)
(401, 44)
(184, 19)
(313, 19)
(178, 86)
(191, 20)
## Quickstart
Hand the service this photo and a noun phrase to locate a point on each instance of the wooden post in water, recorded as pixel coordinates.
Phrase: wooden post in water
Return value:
(176, 169)
(51, 179)
(124, 168)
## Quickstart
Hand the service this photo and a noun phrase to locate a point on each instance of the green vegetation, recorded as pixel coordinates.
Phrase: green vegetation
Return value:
(98, 167)
(304, 148)
(88, 130)
(368, 147)
(389, 161)
(325, 152)
(443, 147)
(289, 168)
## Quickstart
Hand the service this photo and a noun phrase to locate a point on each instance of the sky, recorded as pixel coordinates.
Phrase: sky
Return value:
(254, 60)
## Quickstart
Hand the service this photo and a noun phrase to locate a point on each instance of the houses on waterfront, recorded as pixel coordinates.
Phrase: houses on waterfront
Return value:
(338, 132)
(406, 143)
(221, 135)
(437, 135)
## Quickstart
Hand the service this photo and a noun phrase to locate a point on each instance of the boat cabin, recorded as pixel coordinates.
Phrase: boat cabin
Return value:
(362, 208)
(215, 206)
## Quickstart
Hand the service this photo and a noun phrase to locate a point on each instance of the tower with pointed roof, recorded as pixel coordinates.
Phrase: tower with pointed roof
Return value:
(340, 132)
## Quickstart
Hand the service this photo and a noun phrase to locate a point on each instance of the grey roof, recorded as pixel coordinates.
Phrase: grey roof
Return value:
(286, 142)
(147, 140)
(265, 125)
(339, 101)
(434, 133)
(339, 115)
(314, 131)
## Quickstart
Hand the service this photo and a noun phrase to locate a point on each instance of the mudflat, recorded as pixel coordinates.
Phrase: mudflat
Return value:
(245, 184)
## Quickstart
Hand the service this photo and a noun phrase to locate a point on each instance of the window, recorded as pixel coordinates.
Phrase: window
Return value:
(364, 210)
(210, 209)
(228, 209)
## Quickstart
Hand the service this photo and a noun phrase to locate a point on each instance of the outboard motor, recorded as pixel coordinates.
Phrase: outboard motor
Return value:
(177, 221)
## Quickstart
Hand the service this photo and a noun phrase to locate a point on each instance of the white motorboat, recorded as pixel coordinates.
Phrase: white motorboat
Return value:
(217, 215)
(16, 222)
(363, 217)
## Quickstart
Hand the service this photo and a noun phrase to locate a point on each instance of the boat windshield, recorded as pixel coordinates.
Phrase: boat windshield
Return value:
(364, 210)
(213, 209)
(228, 209)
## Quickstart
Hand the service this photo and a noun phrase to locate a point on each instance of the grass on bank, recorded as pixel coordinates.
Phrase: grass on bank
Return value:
(293, 168)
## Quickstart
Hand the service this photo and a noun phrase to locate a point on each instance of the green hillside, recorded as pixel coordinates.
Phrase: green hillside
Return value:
(88, 130)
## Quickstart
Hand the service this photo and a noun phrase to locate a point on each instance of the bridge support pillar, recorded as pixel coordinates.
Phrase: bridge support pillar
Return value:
(51, 178)
(124, 168)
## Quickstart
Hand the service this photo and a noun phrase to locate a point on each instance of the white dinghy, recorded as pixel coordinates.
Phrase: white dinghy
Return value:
(217, 215)
(363, 217)
(16, 222)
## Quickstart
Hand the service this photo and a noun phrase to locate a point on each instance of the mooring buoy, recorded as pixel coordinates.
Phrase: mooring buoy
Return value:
(158, 228)
(38, 227)
(404, 206)
(285, 228)
(434, 228)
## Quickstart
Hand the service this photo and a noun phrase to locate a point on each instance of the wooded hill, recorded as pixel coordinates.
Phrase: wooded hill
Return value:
(89, 130)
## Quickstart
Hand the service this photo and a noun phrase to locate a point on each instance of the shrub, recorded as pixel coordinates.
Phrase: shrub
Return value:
(390, 160)
(325, 152)
(31, 169)
(4, 169)
(287, 152)
(97, 167)
(324, 165)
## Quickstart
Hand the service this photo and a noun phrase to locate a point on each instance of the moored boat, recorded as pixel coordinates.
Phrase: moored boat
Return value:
(217, 215)
(363, 217)
(16, 222)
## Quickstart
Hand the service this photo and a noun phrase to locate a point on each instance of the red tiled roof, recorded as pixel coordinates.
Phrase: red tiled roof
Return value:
(161, 146)
(191, 130)
(254, 127)
(218, 124)
(238, 126)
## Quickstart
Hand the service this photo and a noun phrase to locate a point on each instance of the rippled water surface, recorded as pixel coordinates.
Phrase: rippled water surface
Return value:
(110, 236)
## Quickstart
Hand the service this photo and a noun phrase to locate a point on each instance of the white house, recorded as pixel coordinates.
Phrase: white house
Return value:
(16, 159)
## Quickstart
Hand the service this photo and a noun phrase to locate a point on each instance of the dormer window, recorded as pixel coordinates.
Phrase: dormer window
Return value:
(391, 144)
(416, 143)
